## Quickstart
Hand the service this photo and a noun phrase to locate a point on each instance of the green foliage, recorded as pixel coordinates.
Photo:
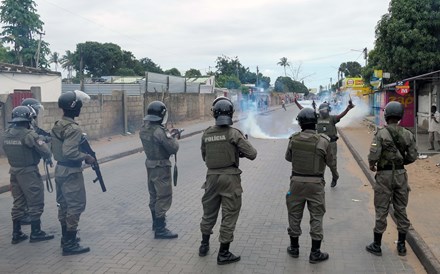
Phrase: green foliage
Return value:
(286, 84)
(228, 81)
(351, 69)
(284, 63)
(126, 72)
(20, 23)
(193, 73)
(149, 66)
(173, 71)
(407, 39)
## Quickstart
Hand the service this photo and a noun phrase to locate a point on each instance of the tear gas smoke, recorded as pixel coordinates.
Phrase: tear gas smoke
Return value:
(251, 127)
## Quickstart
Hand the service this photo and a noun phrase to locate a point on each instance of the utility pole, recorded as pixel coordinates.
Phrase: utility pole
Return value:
(37, 54)
(366, 56)
(257, 75)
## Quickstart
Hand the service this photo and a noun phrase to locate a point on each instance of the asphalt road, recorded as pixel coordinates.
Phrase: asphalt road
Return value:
(117, 224)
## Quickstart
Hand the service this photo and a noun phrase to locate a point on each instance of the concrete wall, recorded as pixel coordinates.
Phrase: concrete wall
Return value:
(50, 84)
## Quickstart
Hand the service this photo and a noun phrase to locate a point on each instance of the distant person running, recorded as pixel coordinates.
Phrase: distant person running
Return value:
(283, 104)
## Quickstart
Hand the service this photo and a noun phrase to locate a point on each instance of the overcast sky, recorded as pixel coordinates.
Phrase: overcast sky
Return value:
(318, 34)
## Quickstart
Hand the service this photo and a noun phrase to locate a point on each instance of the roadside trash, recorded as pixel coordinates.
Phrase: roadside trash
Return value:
(355, 200)
(422, 156)
(437, 165)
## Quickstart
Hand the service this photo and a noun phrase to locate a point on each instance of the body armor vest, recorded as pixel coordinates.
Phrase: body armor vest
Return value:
(152, 149)
(305, 157)
(325, 126)
(390, 151)
(19, 155)
(57, 142)
(220, 153)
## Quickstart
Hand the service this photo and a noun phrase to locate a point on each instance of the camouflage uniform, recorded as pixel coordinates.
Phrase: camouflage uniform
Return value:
(24, 149)
(309, 154)
(71, 192)
(222, 146)
(391, 184)
(158, 145)
(328, 126)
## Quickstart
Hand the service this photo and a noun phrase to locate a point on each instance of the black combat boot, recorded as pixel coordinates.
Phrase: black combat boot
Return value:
(71, 245)
(316, 256)
(226, 257)
(153, 217)
(38, 235)
(63, 236)
(374, 247)
(334, 182)
(17, 234)
(161, 231)
(293, 249)
(401, 249)
(204, 247)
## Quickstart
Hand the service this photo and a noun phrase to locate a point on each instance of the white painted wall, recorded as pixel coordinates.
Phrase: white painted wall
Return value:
(50, 84)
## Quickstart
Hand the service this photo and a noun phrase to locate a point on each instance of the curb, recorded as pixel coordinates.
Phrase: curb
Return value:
(418, 245)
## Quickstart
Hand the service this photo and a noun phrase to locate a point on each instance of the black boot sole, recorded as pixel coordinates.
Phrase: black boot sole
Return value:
(68, 253)
(293, 255)
(373, 252)
(165, 237)
(35, 240)
(229, 262)
(16, 241)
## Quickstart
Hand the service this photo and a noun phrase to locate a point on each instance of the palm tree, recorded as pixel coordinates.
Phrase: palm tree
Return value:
(54, 58)
(67, 62)
(284, 63)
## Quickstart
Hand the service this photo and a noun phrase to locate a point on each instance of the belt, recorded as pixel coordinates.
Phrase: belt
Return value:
(307, 175)
(390, 167)
(70, 163)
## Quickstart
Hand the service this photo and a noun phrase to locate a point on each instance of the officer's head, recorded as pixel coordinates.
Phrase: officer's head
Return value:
(222, 110)
(156, 113)
(22, 116)
(72, 101)
(324, 109)
(307, 118)
(393, 111)
(35, 104)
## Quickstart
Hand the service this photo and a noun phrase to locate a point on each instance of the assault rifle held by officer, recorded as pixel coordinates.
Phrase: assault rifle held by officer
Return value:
(86, 148)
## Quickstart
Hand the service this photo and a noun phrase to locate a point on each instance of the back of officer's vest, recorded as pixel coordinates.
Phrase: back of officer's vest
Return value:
(220, 153)
(152, 147)
(19, 155)
(305, 157)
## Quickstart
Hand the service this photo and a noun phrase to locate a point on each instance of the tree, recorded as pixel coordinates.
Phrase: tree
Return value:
(54, 59)
(20, 23)
(350, 69)
(98, 59)
(286, 84)
(67, 62)
(149, 66)
(173, 71)
(408, 39)
(284, 63)
(6, 55)
(228, 81)
(193, 73)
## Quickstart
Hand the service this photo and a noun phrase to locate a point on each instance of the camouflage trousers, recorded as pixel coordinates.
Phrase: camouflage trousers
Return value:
(391, 187)
(160, 189)
(300, 194)
(221, 191)
(27, 189)
(71, 197)
(334, 149)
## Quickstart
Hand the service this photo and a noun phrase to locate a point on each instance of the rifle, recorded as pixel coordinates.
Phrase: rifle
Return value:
(85, 147)
(176, 133)
(48, 162)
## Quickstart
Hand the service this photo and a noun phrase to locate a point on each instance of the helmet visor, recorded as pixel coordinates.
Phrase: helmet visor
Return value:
(165, 118)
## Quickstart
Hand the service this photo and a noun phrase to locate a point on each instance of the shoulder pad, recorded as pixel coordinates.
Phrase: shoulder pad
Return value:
(237, 130)
(324, 136)
(294, 134)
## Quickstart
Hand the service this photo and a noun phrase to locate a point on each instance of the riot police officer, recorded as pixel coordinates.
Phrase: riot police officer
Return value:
(392, 148)
(222, 146)
(24, 149)
(327, 124)
(71, 194)
(309, 152)
(37, 107)
(159, 145)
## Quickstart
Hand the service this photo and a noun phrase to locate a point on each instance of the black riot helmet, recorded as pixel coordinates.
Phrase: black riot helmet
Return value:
(156, 112)
(72, 100)
(393, 109)
(22, 114)
(307, 116)
(222, 110)
(33, 103)
(324, 109)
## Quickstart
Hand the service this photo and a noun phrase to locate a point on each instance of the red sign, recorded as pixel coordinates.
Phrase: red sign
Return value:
(402, 88)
